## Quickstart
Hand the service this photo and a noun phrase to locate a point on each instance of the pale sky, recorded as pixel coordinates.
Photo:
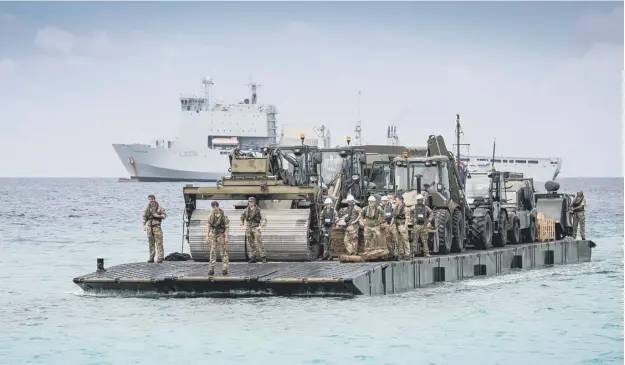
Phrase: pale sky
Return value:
(543, 78)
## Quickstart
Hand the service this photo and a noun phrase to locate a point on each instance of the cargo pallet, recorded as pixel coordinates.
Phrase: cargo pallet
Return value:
(331, 278)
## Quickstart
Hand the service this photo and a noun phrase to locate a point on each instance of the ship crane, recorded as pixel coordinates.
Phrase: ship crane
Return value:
(392, 139)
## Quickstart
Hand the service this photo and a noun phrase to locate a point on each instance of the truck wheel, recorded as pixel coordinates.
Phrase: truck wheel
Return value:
(445, 232)
(532, 232)
(514, 235)
(457, 223)
(481, 233)
(501, 237)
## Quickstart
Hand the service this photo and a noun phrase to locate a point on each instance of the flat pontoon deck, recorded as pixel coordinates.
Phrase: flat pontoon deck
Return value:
(324, 278)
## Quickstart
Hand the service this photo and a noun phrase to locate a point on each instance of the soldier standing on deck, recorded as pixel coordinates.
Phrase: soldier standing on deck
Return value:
(422, 215)
(153, 215)
(351, 226)
(387, 207)
(399, 222)
(578, 208)
(256, 219)
(372, 216)
(329, 217)
(218, 226)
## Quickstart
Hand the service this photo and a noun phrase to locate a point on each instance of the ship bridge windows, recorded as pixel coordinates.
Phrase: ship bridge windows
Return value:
(532, 162)
(496, 160)
(520, 161)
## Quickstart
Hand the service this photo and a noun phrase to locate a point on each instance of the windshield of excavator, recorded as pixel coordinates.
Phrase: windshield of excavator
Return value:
(330, 166)
(430, 175)
(477, 186)
(381, 175)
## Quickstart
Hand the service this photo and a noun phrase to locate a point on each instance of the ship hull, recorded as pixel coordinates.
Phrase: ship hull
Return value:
(150, 164)
(542, 171)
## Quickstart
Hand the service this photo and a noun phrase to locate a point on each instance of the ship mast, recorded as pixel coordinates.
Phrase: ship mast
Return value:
(208, 84)
(357, 129)
(254, 88)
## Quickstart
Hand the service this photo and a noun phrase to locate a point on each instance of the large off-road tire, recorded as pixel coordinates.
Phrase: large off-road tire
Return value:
(530, 233)
(514, 235)
(501, 237)
(442, 218)
(458, 229)
(481, 233)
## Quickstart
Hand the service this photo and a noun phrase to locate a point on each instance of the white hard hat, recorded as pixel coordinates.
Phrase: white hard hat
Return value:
(327, 201)
(350, 198)
(385, 198)
(419, 196)
(371, 198)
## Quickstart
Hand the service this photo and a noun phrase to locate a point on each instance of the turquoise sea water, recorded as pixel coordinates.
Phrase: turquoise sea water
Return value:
(52, 230)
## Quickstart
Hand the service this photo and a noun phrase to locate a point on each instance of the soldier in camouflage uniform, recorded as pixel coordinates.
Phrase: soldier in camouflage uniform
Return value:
(421, 217)
(387, 207)
(256, 220)
(218, 225)
(399, 222)
(578, 206)
(352, 225)
(372, 217)
(153, 215)
(329, 217)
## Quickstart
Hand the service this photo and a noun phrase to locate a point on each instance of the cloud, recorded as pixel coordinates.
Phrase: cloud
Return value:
(604, 26)
(64, 42)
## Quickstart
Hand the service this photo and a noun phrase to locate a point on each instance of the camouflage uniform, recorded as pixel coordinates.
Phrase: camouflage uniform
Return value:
(401, 215)
(421, 216)
(153, 228)
(391, 241)
(218, 228)
(256, 220)
(329, 217)
(372, 216)
(579, 216)
(351, 229)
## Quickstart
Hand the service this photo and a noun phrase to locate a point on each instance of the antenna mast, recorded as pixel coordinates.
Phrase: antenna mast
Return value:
(254, 88)
(208, 84)
(357, 129)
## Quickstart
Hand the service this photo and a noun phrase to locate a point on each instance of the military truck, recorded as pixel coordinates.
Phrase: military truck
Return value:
(486, 195)
(521, 207)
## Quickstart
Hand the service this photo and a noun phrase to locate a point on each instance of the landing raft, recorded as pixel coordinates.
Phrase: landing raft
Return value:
(322, 278)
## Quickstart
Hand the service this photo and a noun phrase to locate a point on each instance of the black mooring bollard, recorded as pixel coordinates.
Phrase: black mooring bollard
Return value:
(100, 265)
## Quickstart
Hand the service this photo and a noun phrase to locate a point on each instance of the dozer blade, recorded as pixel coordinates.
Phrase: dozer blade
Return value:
(285, 237)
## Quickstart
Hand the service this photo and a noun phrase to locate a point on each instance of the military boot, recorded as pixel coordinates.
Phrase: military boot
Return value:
(264, 259)
(211, 272)
(150, 261)
(224, 272)
(252, 260)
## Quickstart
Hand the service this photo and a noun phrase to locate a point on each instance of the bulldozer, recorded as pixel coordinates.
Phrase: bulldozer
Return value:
(291, 201)
(436, 174)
